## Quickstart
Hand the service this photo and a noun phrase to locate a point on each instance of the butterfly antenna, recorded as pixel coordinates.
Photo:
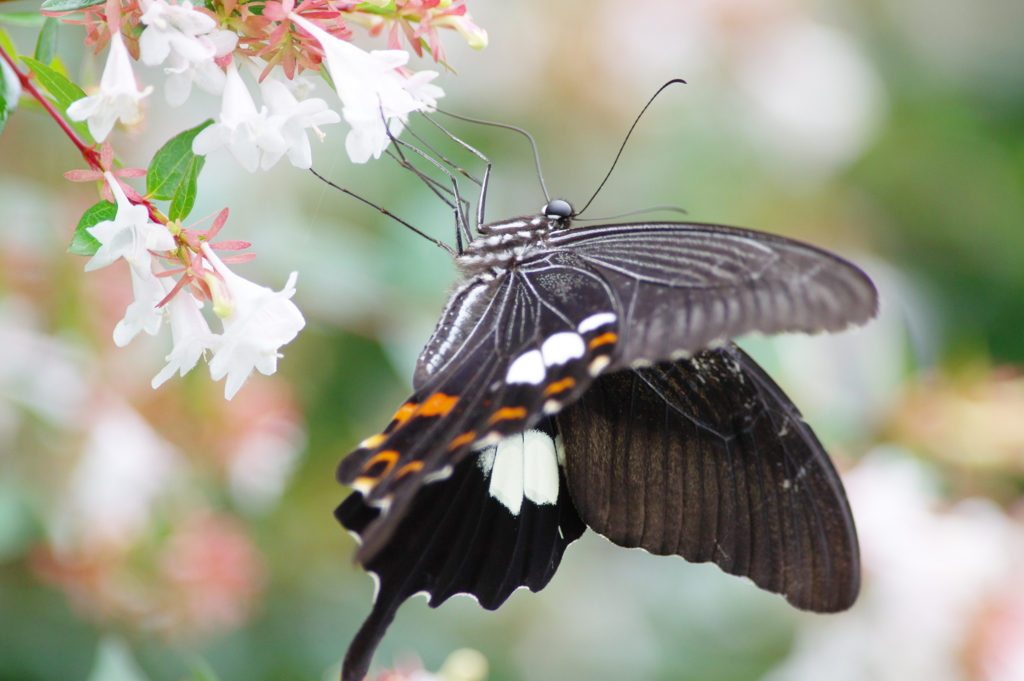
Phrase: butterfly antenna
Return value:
(386, 212)
(533, 144)
(621, 148)
(652, 209)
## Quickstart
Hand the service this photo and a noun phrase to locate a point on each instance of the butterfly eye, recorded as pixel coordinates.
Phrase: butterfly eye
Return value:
(558, 209)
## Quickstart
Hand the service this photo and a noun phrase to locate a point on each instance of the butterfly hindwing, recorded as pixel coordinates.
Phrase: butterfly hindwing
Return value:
(706, 458)
(684, 287)
(500, 521)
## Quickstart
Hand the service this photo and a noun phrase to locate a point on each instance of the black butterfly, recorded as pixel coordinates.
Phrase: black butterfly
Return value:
(582, 376)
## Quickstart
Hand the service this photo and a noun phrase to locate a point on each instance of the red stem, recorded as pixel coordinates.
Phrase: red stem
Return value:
(89, 153)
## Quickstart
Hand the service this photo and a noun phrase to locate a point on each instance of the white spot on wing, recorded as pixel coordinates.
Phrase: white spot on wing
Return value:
(486, 460)
(441, 474)
(507, 473)
(598, 364)
(524, 465)
(540, 468)
(561, 347)
(596, 321)
(527, 368)
(559, 450)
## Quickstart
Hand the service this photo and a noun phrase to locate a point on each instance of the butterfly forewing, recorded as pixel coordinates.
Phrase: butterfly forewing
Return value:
(518, 358)
(686, 286)
(707, 458)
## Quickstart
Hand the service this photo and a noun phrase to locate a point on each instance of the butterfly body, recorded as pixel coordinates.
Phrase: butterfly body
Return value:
(583, 376)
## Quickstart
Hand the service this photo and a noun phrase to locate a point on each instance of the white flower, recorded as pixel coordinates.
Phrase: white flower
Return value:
(143, 313)
(118, 98)
(208, 77)
(292, 117)
(191, 334)
(242, 129)
(300, 86)
(177, 28)
(181, 74)
(130, 235)
(418, 85)
(259, 322)
(371, 91)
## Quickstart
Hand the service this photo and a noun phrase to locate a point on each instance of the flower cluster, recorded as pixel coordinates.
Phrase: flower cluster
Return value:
(257, 321)
(215, 46)
(209, 47)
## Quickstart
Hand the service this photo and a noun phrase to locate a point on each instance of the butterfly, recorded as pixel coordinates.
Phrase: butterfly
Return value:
(583, 376)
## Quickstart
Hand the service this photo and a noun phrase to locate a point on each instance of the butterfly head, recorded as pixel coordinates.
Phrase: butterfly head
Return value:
(558, 210)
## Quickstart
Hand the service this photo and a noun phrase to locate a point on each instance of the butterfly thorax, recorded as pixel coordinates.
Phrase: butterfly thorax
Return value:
(502, 244)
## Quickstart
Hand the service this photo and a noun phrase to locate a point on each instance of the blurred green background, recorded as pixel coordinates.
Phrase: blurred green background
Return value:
(143, 533)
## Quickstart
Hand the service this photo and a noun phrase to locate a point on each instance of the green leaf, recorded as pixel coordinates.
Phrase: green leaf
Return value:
(327, 77)
(84, 243)
(28, 19)
(46, 46)
(173, 164)
(371, 8)
(5, 42)
(10, 90)
(185, 196)
(63, 90)
(67, 5)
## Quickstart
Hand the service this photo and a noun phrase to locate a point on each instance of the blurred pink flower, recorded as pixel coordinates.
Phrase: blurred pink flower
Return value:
(214, 571)
(464, 664)
(941, 585)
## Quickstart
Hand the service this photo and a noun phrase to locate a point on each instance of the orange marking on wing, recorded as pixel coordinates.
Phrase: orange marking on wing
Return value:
(372, 441)
(506, 413)
(405, 412)
(389, 456)
(560, 386)
(463, 439)
(411, 467)
(603, 339)
(437, 404)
